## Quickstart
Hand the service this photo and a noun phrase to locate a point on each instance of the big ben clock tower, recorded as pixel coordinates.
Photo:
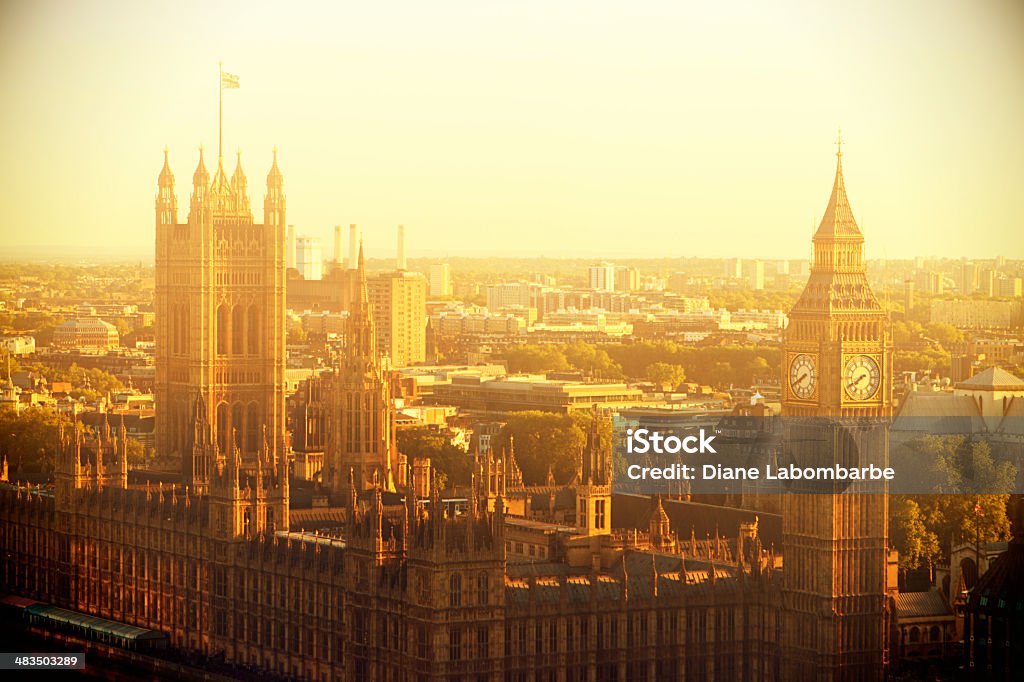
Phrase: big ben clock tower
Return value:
(837, 389)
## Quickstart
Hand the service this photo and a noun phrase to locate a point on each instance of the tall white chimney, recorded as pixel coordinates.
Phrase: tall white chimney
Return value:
(400, 252)
(289, 247)
(337, 246)
(353, 246)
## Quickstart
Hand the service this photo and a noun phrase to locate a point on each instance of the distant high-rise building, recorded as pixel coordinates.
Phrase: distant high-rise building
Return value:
(400, 314)
(602, 277)
(309, 259)
(1011, 287)
(970, 278)
(626, 278)
(734, 268)
(908, 297)
(440, 280)
(220, 334)
(930, 282)
(988, 283)
(782, 267)
(757, 274)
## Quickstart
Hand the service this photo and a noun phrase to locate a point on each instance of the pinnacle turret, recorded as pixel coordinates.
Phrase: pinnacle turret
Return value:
(201, 178)
(275, 178)
(166, 178)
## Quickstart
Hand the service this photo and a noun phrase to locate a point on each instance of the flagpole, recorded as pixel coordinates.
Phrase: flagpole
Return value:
(220, 112)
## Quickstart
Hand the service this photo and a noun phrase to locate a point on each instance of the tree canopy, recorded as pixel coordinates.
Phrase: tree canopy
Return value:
(546, 440)
(969, 504)
(452, 464)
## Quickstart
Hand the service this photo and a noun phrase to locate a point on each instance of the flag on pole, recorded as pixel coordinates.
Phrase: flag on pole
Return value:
(229, 80)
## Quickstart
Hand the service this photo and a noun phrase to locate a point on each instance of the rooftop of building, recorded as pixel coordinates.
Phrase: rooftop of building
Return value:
(992, 379)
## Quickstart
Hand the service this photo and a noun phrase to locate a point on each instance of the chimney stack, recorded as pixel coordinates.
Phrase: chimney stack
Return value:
(353, 246)
(400, 254)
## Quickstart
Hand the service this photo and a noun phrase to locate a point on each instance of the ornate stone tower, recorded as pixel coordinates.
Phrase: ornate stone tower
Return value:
(220, 325)
(594, 483)
(360, 417)
(837, 369)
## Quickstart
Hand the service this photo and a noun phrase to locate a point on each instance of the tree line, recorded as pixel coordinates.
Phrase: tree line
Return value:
(663, 362)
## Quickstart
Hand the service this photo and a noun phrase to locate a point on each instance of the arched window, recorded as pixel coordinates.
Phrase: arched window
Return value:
(935, 634)
(237, 434)
(254, 330)
(915, 635)
(252, 428)
(223, 425)
(237, 329)
(183, 329)
(969, 572)
(455, 590)
(222, 329)
(481, 589)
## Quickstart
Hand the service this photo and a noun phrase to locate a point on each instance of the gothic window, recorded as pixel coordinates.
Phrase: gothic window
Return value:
(454, 644)
(481, 589)
(424, 582)
(237, 329)
(254, 330)
(252, 428)
(455, 590)
(236, 425)
(599, 515)
(222, 329)
(222, 427)
(482, 642)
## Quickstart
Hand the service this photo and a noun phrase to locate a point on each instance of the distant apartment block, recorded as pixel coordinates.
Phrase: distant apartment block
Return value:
(440, 280)
(968, 314)
(1011, 287)
(602, 277)
(400, 312)
(309, 259)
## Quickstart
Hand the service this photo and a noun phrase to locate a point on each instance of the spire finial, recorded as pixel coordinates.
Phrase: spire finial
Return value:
(839, 142)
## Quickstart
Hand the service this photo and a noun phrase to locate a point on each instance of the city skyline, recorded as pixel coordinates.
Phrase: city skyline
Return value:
(527, 124)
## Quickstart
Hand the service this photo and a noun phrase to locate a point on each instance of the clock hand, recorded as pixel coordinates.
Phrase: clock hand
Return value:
(854, 384)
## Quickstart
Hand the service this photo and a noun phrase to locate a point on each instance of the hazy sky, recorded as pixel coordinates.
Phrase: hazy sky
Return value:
(597, 129)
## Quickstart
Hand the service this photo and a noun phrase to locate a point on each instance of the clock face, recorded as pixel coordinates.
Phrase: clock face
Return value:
(803, 376)
(861, 377)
